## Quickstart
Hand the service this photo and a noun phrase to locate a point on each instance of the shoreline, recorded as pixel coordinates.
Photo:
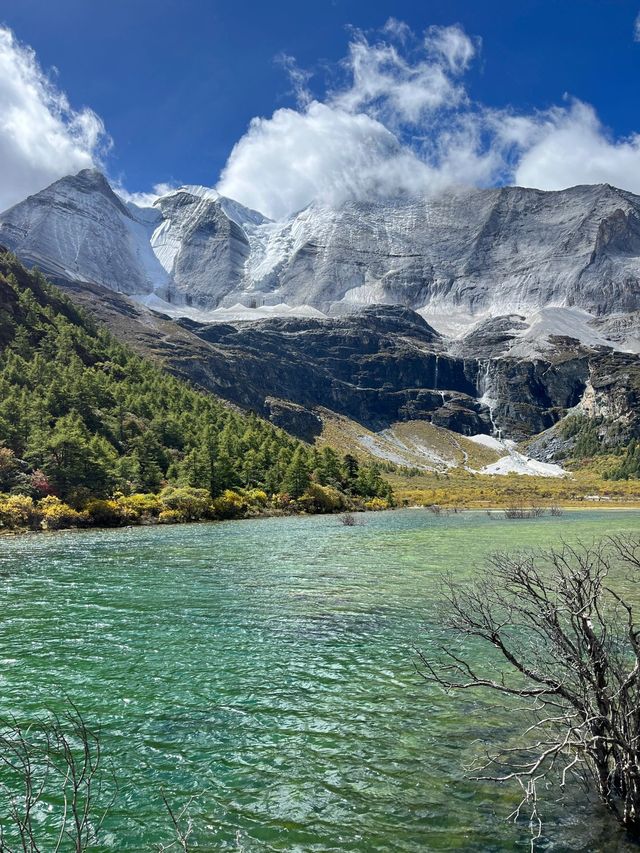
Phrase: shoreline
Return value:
(443, 511)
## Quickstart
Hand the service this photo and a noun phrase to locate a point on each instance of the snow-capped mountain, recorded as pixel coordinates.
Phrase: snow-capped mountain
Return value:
(494, 251)
(78, 229)
(504, 281)
(459, 259)
(201, 241)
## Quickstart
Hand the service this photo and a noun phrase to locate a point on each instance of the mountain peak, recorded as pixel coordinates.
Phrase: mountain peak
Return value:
(473, 254)
(78, 229)
(192, 189)
(88, 182)
(92, 179)
(234, 210)
(91, 174)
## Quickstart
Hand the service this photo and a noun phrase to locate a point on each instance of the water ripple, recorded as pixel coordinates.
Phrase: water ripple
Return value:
(268, 667)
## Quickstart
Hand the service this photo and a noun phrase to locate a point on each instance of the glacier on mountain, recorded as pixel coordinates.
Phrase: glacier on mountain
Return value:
(554, 260)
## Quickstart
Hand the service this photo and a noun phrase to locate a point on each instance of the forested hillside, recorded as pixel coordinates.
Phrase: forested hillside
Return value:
(86, 422)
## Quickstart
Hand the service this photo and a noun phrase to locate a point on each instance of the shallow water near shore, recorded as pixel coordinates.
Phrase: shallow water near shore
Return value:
(268, 667)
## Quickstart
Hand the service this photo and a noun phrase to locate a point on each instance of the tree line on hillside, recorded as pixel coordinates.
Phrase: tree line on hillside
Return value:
(587, 434)
(84, 419)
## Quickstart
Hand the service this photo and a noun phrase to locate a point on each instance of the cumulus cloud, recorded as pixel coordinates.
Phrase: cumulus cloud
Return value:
(324, 153)
(144, 199)
(42, 137)
(402, 121)
(352, 143)
(565, 147)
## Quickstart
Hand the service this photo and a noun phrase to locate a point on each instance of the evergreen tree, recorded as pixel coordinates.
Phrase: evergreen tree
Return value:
(296, 478)
(71, 459)
(83, 415)
(350, 471)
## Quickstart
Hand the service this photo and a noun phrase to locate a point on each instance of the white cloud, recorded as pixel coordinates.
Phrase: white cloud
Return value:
(402, 121)
(351, 145)
(398, 30)
(42, 137)
(636, 28)
(451, 44)
(565, 147)
(322, 152)
(144, 199)
(390, 85)
(298, 76)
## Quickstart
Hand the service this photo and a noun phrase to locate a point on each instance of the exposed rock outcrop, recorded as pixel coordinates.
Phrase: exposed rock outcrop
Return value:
(376, 367)
(474, 253)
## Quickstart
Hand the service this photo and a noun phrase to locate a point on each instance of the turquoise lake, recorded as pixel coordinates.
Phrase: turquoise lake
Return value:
(268, 667)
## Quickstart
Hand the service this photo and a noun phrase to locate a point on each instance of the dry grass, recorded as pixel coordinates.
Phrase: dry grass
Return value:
(462, 489)
(455, 486)
(417, 444)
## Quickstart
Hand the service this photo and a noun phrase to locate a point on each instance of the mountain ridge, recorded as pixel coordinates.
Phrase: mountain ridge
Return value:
(458, 259)
(484, 311)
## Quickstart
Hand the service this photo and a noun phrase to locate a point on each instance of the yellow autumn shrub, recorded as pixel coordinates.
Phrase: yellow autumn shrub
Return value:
(257, 497)
(171, 516)
(192, 504)
(108, 513)
(141, 505)
(16, 511)
(55, 515)
(376, 504)
(317, 498)
(229, 504)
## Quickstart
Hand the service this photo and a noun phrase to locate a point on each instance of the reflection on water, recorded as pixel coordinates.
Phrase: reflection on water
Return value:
(268, 667)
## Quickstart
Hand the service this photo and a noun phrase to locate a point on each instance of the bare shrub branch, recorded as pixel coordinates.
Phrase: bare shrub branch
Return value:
(569, 644)
(51, 767)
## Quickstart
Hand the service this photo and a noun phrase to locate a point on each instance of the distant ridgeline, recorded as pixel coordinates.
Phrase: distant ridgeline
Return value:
(91, 433)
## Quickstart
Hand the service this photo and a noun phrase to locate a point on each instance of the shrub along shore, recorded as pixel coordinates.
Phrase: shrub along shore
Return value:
(93, 435)
(173, 505)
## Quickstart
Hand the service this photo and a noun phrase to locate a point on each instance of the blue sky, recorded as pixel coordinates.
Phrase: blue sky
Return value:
(176, 84)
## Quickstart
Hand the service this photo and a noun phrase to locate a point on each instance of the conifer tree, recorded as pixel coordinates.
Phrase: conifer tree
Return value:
(296, 478)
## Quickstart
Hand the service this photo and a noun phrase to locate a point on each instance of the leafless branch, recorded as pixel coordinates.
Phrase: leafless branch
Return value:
(570, 646)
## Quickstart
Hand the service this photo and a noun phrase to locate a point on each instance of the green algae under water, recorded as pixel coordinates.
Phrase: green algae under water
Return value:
(269, 667)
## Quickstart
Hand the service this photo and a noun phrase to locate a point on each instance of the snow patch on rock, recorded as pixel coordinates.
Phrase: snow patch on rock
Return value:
(492, 442)
(514, 462)
(518, 463)
(232, 314)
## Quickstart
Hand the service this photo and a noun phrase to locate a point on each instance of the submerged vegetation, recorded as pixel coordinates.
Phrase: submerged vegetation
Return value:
(91, 433)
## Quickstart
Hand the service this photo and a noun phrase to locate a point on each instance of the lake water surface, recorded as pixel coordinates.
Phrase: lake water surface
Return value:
(268, 666)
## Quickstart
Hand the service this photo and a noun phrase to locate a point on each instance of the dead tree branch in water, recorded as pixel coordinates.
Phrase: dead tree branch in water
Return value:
(569, 643)
(52, 767)
(182, 824)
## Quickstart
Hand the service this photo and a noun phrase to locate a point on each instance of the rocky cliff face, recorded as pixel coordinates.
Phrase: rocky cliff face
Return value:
(612, 391)
(488, 311)
(471, 255)
(378, 366)
(202, 245)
